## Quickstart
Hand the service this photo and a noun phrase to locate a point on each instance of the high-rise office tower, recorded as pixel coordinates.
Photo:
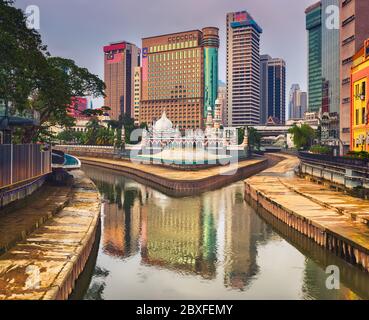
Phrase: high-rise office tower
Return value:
(264, 87)
(272, 89)
(137, 94)
(330, 60)
(243, 69)
(297, 102)
(314, 28)
(120, 59)
(354, 24)
(179, 75)
(210, 42)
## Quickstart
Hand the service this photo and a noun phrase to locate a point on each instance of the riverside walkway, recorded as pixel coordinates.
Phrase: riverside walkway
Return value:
(332, 219)
(47, 261)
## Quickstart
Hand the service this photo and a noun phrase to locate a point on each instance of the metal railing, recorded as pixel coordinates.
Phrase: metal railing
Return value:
(339, 161)
(21, 163)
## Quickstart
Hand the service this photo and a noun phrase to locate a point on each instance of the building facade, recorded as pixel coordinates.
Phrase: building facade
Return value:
(264, 87)
(314, 28)
(137, 94)
(297, 103)
(120, 60)
(77, 106)
(179, 76)
(210, 42)
(272, 89)
(243, 69)
(354, 25)
(330, 60)
(359, 100)
(222, 97)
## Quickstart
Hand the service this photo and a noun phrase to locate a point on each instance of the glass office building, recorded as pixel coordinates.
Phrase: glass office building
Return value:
(314, 27)
(210, 42)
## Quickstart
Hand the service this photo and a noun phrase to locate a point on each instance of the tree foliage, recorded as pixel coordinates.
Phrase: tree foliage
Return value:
(33, 80)
(22, 56)
(303, 136)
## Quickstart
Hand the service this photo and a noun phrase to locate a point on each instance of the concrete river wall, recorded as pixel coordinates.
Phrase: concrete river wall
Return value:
(332, 219)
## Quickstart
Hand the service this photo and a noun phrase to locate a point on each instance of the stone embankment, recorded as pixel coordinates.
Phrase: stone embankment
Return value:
(332, 219)
(182, 183)
(48, 242)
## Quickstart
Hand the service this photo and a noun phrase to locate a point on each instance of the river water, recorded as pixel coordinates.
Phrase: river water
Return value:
(210, 246)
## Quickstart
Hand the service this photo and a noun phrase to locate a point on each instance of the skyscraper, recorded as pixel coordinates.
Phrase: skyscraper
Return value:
(243, 69)
(210, 41)
(120, 59)
(264, 87)
(137, 94)
(314, 28)
(330, 61)
(180, 76)
(272, 89)
(297, 102)
(354, 25)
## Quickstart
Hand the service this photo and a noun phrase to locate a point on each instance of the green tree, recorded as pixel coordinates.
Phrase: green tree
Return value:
(124, 121)
(62, 79)
(105, 137)
(22, 55)
(92, 127)
(254, 138)
(32, 80)
(303, 136)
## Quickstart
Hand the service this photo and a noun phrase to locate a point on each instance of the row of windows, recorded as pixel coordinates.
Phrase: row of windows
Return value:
(183, 54)
(173, 46)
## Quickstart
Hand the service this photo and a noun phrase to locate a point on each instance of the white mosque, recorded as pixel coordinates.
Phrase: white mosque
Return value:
(165, 142)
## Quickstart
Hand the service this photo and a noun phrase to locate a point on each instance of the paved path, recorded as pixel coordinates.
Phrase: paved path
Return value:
(46, 264)
(337, 212)
(19, 219)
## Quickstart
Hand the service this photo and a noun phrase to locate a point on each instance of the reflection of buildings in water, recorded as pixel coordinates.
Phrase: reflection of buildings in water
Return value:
(121, 231)
(243, 230)
(122, 212)
(179, 235)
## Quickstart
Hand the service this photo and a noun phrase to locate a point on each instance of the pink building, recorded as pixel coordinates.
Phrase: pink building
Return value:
(78, 105)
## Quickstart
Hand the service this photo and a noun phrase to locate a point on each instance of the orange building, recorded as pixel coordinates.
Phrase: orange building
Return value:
(173, 73)
(360, 100)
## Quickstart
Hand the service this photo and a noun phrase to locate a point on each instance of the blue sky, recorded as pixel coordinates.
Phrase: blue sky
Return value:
(78, 29)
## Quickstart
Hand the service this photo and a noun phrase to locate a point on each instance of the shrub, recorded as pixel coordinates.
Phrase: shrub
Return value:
(320, 149)
(358, 154)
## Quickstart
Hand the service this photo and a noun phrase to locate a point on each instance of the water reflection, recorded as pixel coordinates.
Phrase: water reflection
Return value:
(210, 246)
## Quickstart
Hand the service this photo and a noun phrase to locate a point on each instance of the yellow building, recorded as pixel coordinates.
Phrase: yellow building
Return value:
(360, 100)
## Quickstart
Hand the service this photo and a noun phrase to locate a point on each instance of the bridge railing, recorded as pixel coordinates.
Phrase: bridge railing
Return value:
(21, 163)
(362, 164)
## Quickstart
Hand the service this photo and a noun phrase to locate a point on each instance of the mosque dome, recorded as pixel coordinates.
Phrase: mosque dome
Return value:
(163, 124)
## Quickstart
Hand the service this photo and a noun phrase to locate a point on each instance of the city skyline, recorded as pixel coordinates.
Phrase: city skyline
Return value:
(131, 22)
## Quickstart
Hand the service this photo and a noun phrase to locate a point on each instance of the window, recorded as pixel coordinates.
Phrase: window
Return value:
(345, 2)
(357, 92)
(362, 115)
(363, 89)
(357, 116)
(348, 20)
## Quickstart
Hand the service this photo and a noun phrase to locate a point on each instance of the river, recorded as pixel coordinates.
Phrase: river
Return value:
(210, 246)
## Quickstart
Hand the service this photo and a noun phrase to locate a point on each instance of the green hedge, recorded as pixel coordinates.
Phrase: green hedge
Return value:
(320, 149)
